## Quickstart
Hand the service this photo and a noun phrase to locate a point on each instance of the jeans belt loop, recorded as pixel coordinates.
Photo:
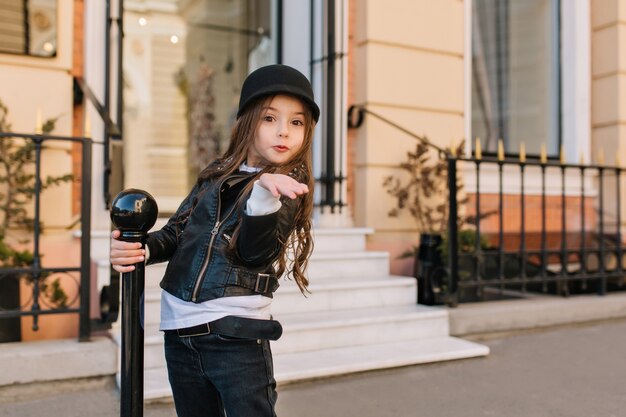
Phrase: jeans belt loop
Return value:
(258, 280)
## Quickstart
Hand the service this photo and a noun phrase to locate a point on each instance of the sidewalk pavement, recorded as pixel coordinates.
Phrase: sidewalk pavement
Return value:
(569, 371)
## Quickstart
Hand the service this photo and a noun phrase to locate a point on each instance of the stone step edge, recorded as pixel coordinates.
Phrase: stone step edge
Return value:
(320, 256)
(332, 323)
(361, 359)
(353, 359)
(325, 284)
(331, 231)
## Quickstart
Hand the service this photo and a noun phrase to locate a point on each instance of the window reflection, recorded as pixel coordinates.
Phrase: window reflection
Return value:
(29, 27)
(183, 71)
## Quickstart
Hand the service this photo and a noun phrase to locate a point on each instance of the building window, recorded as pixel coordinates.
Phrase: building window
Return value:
(516, 74)
(183, 69)
(28, 27)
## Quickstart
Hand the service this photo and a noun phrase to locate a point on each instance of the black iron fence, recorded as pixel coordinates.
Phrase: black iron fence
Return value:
(537, 226)
(22, 268)
(544, 227)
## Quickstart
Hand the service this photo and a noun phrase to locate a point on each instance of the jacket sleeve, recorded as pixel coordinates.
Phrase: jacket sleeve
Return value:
(162, 243)
(261, 237)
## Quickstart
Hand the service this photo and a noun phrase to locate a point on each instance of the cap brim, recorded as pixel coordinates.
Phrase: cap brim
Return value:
(283, 89)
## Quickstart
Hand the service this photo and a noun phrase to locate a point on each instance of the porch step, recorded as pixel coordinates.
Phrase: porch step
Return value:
(293, 367)
(288, 367)
(356, 327)
(321, 265)
(357, 317)
(326, 295)
(344, 293)
(348, 264)
(340, 239)
(336, 329)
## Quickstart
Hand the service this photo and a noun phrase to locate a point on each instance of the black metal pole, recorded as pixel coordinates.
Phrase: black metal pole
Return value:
(107, 102)
(544, 257)
(522, 244)
(453, 259)
(602, 287)
(478, 248)
(618, 202)
(133, 284)
(329, 192)
(133, 212)
(38, 141)
(84, 326)
(563, 285)
(120, 70)
(26, 15)
(501, 225)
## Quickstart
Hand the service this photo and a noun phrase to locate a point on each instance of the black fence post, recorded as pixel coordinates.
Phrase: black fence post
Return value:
(453, 259)
(84, 326)
(133, 212)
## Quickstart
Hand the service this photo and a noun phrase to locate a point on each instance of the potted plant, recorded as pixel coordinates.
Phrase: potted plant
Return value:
(17, 191)
(424, 195)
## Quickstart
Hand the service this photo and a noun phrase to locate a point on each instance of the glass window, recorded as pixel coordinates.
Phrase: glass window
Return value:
(28, 27)
(515, 74)
(183, 70)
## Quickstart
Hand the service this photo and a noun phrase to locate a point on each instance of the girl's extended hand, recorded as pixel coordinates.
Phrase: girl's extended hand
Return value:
(279, 184)
(125, 254)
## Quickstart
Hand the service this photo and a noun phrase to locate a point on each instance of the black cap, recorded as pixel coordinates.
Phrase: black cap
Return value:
(277, 79)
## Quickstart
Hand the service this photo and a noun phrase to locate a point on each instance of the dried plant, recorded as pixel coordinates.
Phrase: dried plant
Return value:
(17, 192)
(425, 194)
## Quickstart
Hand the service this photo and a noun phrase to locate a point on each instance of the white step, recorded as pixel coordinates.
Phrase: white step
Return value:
(346, 239)
(340, 294)
(333, 329)
(153, 353)
(152, 311)
(348, 264)
(356, 318)
(155, 384)
(154, 274)
(291, 367)
(326, 295)
(321, 265)
(356, 327)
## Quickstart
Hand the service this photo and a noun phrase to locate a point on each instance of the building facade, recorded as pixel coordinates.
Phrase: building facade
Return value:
(542, 73)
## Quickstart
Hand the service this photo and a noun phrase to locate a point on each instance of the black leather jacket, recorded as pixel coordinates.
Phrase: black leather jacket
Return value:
(200, 266)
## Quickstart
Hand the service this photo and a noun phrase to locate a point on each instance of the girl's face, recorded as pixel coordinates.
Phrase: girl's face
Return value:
(280, 133)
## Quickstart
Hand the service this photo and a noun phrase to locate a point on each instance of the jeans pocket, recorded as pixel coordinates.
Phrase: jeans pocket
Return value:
(233, 339)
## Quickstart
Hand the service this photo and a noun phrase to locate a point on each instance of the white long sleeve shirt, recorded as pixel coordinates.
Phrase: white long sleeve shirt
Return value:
(178, 314)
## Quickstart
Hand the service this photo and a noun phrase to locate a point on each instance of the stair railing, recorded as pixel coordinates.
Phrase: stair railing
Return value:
(39, 277)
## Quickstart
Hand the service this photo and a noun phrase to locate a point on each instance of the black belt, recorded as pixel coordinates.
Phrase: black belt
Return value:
(236, 327)
(258, 282)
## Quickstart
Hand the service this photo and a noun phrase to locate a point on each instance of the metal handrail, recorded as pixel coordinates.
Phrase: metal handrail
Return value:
(36, 270)
(361, 109)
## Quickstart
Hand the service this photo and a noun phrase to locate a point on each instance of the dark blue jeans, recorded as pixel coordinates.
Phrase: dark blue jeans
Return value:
(211, 374)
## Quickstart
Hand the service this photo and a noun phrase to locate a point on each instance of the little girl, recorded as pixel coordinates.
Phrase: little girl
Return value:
(227, 244)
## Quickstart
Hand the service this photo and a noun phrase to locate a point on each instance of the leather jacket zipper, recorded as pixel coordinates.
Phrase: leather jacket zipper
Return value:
(214, 233)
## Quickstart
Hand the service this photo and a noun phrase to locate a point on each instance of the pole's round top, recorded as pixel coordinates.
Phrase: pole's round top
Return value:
(134, 210)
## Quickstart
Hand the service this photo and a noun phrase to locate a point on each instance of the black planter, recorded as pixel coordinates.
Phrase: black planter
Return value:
(429, 270)
(10, 328)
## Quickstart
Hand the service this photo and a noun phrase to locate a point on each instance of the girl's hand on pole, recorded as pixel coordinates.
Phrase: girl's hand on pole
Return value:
(125, 254)
(279, 184)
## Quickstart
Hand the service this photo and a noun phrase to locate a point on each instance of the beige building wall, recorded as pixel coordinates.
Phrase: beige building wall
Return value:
(29, 84)
(608, 88)
(408, 67)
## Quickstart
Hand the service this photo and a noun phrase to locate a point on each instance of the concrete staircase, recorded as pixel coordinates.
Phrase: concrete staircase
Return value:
(357, 318)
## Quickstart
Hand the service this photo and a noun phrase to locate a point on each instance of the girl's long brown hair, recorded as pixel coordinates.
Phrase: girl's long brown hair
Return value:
(299, 242)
